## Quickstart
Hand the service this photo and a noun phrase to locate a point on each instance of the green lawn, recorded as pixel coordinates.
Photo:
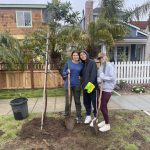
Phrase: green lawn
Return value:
(7, 94)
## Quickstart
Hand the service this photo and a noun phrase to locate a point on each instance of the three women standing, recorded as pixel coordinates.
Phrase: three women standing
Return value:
(88, 71)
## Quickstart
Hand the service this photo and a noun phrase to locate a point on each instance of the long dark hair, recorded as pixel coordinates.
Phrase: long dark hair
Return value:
(75, 51)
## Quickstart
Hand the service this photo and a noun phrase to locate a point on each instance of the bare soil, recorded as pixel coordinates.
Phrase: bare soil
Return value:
(125, 128)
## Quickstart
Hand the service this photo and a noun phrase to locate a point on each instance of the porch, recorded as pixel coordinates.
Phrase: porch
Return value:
(129, 50)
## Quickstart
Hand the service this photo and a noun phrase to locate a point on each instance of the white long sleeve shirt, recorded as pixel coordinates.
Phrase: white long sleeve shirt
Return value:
(108, 77)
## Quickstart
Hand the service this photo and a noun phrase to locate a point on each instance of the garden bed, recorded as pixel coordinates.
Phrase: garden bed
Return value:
(127, 89)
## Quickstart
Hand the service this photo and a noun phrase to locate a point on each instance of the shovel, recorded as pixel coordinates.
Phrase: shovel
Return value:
(97, 115)
(69, 121)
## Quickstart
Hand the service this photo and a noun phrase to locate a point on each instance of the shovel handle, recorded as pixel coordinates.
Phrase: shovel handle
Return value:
(69, 94)
(100, 96)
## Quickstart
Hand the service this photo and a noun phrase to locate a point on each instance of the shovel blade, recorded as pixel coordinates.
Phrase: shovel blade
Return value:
(69, 123)
(96, 129)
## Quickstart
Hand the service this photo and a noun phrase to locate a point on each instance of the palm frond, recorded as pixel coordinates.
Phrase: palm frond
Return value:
(137, 12)
(106, 37)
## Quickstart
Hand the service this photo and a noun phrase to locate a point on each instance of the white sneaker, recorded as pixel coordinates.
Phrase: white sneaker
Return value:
(101, 124)
(87, 119)
(91, 124)
(105, 128)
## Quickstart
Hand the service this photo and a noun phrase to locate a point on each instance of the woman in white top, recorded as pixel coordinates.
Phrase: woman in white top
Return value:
(106, 74)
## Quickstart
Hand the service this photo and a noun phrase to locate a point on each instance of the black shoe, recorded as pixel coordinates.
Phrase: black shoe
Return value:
(79, 120)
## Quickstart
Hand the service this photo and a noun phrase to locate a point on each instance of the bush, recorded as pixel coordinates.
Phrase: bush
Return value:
(138, 89)
(122, 84)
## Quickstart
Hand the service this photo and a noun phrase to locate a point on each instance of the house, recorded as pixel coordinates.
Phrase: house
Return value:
(134, 47)
(21, 18)
(143, 25)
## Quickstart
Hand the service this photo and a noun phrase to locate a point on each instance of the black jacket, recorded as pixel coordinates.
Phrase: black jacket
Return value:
(89, 72)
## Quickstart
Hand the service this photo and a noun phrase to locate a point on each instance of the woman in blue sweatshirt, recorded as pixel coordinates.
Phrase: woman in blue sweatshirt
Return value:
(74, 67)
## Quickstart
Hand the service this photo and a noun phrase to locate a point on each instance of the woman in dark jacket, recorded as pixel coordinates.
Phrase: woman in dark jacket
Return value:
(89, 75)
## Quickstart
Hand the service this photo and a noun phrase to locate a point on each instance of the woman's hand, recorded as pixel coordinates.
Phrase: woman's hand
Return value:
(68, 71)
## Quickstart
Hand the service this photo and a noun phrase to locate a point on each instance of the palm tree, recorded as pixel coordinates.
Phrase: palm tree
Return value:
(93, 39)
(6, 40)
(110, 25)
(107, 29)
(135, 13)
(10, 52)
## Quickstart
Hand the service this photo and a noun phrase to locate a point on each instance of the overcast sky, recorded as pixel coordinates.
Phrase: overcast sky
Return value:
(78, 5)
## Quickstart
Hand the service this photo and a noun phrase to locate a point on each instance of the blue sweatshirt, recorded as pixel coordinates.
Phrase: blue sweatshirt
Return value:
(75, 72)
(108, 77)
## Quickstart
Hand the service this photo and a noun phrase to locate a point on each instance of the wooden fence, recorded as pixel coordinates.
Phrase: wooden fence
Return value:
(135, 72)
(23, 79)
(131, 72)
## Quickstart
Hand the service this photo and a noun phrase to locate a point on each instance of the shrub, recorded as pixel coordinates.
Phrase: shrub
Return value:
(122, 84)
(138, 89)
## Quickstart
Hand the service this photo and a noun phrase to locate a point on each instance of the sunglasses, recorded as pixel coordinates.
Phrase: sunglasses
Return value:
(99, 58)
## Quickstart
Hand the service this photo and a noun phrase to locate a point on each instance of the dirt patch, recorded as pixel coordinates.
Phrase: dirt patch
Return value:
(145, 146)
(137, 136)
(53, 129)
(54, 136)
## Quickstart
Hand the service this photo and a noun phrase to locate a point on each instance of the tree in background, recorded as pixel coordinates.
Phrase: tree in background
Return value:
(62, 25)
(11, 54)
(134, 14)
(111, 25)
(60, 15)
(106, 30)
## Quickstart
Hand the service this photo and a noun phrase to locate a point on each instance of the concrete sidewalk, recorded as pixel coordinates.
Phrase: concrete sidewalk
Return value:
(57, 104)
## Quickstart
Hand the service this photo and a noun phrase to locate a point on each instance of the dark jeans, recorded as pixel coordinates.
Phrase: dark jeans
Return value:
(104, 101)
(87, 100)
(76, 92)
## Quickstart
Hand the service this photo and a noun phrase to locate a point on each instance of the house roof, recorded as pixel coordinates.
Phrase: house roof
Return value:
(23, 4)
(24, 1)
(140, 24)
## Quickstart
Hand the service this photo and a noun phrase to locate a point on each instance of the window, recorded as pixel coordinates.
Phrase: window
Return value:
(122, 53)
(24, 19)
(45, 16)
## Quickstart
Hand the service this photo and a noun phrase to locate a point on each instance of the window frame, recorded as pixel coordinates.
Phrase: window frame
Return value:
(24, 19)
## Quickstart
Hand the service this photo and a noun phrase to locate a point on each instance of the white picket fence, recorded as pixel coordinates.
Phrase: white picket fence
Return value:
(133, 72)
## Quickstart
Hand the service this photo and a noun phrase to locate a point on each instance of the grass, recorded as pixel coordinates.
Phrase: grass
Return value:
(29, 93)
(9, 127)
(131, 147)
